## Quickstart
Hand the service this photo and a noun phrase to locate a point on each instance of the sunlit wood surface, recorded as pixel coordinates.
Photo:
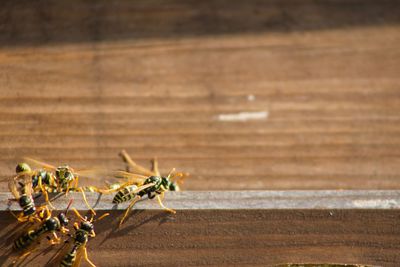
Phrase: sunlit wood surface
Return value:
(241, 94)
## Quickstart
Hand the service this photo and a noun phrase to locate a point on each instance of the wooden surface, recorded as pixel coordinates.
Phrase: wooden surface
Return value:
(338, 229)
(318, 81)
(233, 200)
(242, 94)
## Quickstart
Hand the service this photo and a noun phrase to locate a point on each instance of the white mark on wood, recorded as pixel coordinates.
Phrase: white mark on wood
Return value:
(374, 203)
(251, 98)
(243, 116)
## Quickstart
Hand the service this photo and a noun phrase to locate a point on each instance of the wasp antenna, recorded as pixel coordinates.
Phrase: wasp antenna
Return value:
(69, 205)
(78, 214)
(102, 216)
(180, 177)
(92, 217)
(170, 173)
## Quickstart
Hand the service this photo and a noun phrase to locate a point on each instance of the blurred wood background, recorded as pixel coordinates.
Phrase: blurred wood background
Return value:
(318, 81)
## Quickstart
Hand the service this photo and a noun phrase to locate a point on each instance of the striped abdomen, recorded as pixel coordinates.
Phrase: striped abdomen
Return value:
(81, 238)
(70, 258)
(125, 194)
(27, 239)
(27, 205)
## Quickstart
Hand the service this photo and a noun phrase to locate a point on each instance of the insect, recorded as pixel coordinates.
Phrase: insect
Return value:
(143, 182)
(49, 225)
(83, 232)
(58, 179)
(40, 179)
(23, 195)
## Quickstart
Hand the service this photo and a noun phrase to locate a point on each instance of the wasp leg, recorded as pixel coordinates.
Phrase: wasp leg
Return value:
(76, 225)
(55, 240)
(68, 188)
(85, 200)
(155, 167)
(42, 210)
(20, 218)
(76, 182)
(102, 216)
(34, 219)
(64, 230)
(162, 205)
(44, 192)
(94, 189)
(92, 234)
(136, 199)
(135, 167)
(85, 256)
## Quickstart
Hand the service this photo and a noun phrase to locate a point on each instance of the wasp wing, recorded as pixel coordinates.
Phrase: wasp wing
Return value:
(140, 188)
(93, 173)
(89, 176)
(134, 166)
(60, 253)
(132, 177)
(79, 255)
(27, 183)
(12, 186)
(20, 230)
(39, 164)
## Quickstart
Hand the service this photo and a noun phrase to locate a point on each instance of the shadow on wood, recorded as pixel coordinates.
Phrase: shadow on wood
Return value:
(48, 22)
(226, 236)
(239, 237)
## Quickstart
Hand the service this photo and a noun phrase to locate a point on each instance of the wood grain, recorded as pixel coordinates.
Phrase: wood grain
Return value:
(259, 235)
(231, 200)
(80, 80)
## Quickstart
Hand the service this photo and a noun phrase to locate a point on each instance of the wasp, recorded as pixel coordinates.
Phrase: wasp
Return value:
(49, 225)
(142, 182)
(83, 232)
(61, 179)
(23, 194)
(40, 181)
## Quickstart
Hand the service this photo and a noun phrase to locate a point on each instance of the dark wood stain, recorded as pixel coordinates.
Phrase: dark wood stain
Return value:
(240, 237)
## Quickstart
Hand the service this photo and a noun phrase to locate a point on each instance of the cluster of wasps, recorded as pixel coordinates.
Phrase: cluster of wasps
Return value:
(131, 185)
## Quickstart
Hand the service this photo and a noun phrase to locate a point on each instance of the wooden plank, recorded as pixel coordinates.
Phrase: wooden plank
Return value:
(354, 227)
(80, 81)
(235, 200)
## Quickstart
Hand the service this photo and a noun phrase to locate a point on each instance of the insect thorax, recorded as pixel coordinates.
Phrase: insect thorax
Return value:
(64, 176)
(47, 178)
(81, 236)
(157, 180)
(52, 224)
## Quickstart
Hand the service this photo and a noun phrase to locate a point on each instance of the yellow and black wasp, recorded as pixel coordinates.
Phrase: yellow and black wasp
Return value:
(22, 192)
(61, 179)
(83, 231)
(141, 182)
(49, 225)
